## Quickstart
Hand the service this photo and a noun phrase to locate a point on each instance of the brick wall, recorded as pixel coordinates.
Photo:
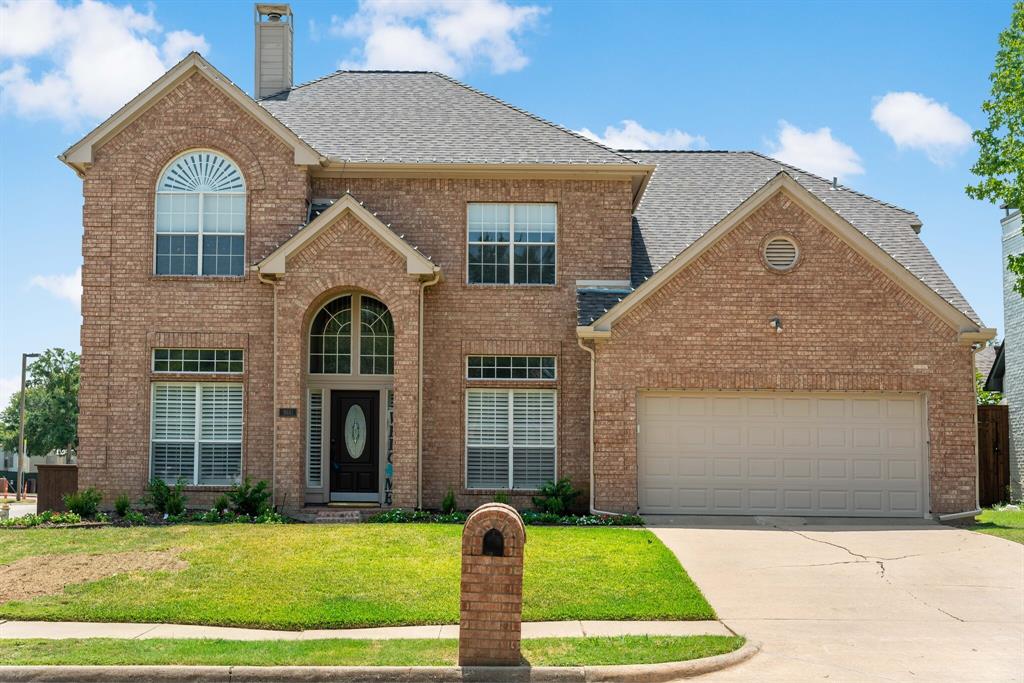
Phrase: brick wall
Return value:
(127, 311)
(1013, 381)
(847, 327)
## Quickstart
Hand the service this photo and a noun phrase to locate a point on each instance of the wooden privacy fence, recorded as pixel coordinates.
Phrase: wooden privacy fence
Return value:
(993, 454)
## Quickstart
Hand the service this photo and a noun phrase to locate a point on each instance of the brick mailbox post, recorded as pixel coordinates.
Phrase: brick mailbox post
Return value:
(492, 587)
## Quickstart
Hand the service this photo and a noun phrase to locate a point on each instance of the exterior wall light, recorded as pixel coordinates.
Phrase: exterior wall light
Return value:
(776, 323)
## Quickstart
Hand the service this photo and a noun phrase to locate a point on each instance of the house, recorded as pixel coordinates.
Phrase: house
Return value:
(376, 287)
(1009, 367)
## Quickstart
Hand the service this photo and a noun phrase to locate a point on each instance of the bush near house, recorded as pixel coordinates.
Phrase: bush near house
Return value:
(84, 503)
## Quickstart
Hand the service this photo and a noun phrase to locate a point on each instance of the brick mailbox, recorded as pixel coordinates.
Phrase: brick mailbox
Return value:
(492, 587)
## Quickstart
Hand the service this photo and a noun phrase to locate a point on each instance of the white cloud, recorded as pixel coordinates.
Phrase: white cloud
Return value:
(82, 61)
(815, 151)
(439, 35)
(631, 135)
(67, 287)
(914, 121)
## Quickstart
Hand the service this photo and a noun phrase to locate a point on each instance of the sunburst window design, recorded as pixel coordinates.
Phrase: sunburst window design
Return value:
(200, 217)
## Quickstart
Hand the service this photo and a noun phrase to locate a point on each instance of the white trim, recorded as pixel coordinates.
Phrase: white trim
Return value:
(80, 155)
(510, 446)
(511, 379)
(603, 284)
(783, 182)
(512, 246)
(415, 262)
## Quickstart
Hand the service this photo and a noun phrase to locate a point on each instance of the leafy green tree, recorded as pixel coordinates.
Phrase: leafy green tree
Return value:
(51, 405)
(985, 398)
(1000, 164)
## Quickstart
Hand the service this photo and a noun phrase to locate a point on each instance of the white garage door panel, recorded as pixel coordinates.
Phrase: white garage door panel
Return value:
(766, 453)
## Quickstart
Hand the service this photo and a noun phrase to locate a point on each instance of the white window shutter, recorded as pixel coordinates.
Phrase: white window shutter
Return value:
(314, 440)
(487, 418)
(221, 412)
(174, 412)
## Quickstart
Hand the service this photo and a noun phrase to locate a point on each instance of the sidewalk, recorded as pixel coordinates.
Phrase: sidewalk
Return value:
(541, 629)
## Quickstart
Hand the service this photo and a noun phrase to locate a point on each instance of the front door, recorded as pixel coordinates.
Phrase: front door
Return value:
(354, 445)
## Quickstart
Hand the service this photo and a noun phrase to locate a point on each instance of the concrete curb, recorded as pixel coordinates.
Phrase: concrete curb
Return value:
(635, 673)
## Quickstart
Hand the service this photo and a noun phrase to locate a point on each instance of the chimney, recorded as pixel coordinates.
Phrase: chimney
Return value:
(273, 49)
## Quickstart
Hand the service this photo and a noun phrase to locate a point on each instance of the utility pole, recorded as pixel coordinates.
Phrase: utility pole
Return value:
(21, 426)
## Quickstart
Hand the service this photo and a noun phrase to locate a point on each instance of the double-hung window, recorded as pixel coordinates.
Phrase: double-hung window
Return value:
(197, 433)
(510, 438)
(511, 244)
(200, 217)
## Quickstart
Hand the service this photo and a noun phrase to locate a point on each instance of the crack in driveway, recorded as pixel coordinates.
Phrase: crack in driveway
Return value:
(866, 559)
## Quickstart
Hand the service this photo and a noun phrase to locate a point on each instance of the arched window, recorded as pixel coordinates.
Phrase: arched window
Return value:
(335, 331)
(200, 217)
(376, 338)
(330, 339)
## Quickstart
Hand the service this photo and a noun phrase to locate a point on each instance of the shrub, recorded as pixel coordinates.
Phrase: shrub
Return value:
(556, 497)
(549, 519)
(222, 504)
(450, 518)
(400, 516)
(133, 518)
(167, 500)
(47, 518)
(123, 505)
(448, 504)
(84, 503)
(251, 500)
(501, 497)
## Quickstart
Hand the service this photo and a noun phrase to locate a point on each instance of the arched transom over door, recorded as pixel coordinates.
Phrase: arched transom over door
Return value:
(350, 365)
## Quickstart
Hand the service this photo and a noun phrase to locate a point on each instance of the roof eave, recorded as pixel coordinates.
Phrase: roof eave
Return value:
(782, 181)
(79, 156)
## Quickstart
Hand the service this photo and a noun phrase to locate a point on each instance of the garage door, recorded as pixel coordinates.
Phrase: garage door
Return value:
(783, 454)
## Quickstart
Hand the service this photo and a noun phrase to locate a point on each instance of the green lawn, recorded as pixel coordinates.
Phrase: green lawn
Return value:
(1008, 524)
(537, 652)
(336, 576)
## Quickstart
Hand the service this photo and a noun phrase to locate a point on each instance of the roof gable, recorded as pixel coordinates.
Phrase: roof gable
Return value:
(420, 117)
(80, 154)
(690, 192)
(415, 262)
(783, 182)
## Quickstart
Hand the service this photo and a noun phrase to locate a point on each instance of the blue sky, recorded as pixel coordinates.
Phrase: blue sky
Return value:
(881, 94)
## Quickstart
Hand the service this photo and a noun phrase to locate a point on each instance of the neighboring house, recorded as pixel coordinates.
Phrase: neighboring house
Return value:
(1012, 367)
(985, 358)
(380, 286)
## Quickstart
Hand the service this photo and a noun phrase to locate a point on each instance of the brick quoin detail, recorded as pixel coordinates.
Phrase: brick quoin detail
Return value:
(490, 623)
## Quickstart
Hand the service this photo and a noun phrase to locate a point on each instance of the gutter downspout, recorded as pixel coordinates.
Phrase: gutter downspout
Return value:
(419, 392)
(273, 413)
(590, 416)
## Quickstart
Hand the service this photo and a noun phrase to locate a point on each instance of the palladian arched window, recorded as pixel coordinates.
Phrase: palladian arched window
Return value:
(335, 333)
(200, 217)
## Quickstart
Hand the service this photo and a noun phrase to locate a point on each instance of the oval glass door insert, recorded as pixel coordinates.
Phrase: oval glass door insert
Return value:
(355, 431)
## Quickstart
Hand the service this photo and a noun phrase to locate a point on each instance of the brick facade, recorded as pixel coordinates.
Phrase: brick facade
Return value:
(847, 327)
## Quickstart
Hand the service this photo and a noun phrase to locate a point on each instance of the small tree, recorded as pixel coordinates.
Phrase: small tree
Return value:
(51, 405)
(1000, 164)
(985, 398)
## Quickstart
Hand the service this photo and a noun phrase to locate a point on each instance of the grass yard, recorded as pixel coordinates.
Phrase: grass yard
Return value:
(538, 652)
(1008, 524)
(327, 576)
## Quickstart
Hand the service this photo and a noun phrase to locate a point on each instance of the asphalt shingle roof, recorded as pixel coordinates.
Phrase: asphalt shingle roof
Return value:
(690, 192)
(423, 117)
(593, 302)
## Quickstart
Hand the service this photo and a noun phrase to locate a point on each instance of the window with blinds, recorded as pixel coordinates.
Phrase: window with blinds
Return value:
(510, 438)
(197, 433)
(314, 439)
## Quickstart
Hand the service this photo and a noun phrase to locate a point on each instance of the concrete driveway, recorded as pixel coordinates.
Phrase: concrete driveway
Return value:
(845, 600)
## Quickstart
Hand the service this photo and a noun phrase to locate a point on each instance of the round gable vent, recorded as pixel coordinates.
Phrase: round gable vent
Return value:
(780, 253)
